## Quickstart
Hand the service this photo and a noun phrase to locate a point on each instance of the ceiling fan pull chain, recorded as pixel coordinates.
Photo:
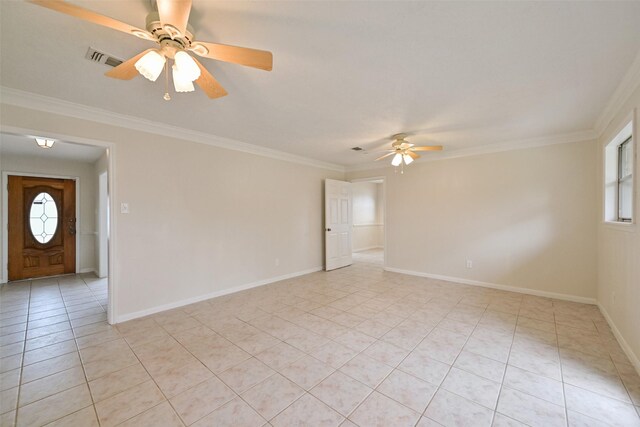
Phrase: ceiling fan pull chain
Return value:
(166, 96)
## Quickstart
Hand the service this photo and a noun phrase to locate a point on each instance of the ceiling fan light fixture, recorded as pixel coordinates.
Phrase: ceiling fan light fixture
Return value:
(186, 66)
(181, 83)
(407, 159)
(397, 159)
(45, 142)
(151, 65)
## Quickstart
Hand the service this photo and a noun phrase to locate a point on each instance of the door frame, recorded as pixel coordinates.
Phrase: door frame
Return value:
(110, 148)
(384, 210)
(102, 254)
(5, 216)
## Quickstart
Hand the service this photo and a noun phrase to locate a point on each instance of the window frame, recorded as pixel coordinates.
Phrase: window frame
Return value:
(622, 179)
(625, 131)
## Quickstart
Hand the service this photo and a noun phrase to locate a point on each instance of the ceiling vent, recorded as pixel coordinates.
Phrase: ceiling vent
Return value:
(102, 58)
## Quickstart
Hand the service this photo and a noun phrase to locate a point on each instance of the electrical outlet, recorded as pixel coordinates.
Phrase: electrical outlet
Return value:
(469, 263)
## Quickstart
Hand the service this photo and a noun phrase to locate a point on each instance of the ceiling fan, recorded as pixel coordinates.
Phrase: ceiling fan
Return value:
(404, 151)
(170, 29)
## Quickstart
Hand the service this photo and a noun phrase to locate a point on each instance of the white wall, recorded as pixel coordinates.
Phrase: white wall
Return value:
(368, 216)
(525, 218)
(204, 220)
(619, 248)
(88, 201)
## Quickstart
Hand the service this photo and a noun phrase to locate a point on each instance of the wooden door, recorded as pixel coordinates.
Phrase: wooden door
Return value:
(42, 227)
(338, 224)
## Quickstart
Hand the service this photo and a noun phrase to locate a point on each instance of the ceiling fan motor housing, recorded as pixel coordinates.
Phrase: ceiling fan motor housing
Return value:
(168, 36)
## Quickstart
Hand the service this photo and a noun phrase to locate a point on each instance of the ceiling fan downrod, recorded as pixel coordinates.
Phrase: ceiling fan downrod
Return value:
(166, 96)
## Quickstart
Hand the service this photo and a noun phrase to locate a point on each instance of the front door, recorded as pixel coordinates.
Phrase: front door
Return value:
(42, 227)
(338, 222)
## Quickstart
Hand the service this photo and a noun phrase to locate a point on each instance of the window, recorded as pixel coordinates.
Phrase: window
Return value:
(43, 217)
(625, 181)
(619, 182)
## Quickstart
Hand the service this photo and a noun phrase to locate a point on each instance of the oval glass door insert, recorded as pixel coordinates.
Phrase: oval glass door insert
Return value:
(43, 217)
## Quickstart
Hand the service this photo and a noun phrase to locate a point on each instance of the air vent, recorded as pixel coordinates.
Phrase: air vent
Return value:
(357, 148)
(102, 58)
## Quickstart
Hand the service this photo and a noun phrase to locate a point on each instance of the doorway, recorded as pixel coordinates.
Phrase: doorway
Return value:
(90, 165)
(42, 227)
(369, 220)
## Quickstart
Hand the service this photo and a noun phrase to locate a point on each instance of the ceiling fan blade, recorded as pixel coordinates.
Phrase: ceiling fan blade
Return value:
(386, 155)
(208, 83)
(428, 148)
(87, 15)
(126, 70)
(175, 13)
(255, 58)
(413, 155)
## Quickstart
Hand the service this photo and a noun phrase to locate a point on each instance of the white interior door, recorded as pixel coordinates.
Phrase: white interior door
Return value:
(338, 223)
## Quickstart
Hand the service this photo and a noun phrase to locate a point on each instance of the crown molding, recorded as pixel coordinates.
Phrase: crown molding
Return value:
(38, 102)
(625, 89)
(566, 138)
(48, 104)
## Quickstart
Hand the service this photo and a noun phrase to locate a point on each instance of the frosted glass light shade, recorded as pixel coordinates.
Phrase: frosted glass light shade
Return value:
(186, 65)
(407, 159)
(151, 64)
(180, 82)
(44, 142)
(397, 159)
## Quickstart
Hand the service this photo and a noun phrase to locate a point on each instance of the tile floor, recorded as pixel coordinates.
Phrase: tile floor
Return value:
(353, 347)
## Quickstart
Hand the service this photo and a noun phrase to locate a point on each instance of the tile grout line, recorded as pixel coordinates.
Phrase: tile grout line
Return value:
(564, 392)
(15, 420)
(93, 403)
(81, 365)
(506, 365)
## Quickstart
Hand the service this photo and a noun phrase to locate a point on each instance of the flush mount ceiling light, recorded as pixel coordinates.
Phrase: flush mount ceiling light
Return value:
(403, 152)
(169, 28)
(45, 142)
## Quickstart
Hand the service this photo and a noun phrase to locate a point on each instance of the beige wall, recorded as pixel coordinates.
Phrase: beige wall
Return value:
(525, 218)
(619, 250)
(87, 195)
(368, 216)
(204, 220)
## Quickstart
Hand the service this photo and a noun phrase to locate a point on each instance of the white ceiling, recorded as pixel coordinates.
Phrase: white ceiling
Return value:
(350, 73)
(26, 146)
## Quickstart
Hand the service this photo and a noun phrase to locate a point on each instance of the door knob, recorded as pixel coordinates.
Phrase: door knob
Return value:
(328, 229)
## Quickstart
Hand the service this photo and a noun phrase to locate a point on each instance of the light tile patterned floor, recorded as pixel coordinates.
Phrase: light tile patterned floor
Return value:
(356, 346)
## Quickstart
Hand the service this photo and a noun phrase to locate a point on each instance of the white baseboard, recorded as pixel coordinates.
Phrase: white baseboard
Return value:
(623, 343)
(88, 270)
(192, 300)
(368, 248)
(527, 291)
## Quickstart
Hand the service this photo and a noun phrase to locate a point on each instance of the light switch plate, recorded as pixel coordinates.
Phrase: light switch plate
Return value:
(124, 208)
